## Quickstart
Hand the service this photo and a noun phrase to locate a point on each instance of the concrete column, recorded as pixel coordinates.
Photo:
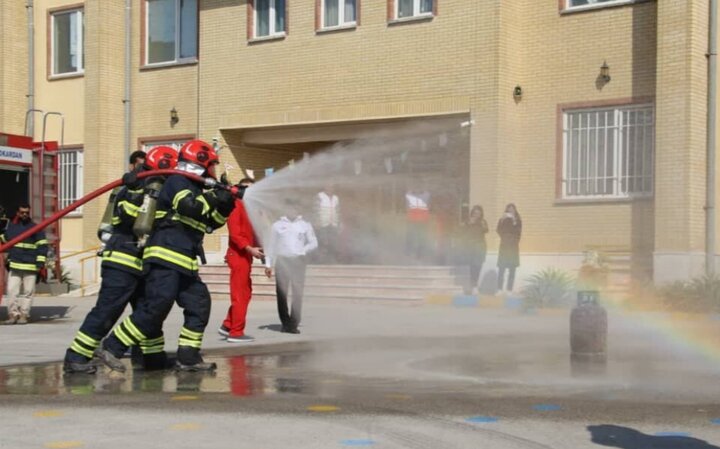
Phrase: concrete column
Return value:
(680, 139)
(104, 78)
(13, 66)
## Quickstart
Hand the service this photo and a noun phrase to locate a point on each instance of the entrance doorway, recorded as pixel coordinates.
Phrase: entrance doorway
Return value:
(15, 188)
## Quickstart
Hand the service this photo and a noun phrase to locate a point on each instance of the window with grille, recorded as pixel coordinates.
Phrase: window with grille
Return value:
(70, 177)
(608, 152)
(177, 144)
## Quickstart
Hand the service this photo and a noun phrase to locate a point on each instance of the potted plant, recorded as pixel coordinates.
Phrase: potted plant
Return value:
(593, 274)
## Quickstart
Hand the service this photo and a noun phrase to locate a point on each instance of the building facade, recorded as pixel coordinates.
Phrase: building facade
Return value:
(590, 115)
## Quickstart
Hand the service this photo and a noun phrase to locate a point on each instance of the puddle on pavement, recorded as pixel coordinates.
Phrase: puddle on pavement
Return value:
(240, 375)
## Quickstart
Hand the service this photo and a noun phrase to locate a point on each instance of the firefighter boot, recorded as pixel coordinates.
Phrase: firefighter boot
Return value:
(199, 366)
(108, 359)
(79, 368)
(189, 359)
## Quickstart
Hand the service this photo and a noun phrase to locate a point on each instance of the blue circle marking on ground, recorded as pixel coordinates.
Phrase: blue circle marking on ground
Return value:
(482, 419)
(546, 407)
(715, 421)
(672, 434)
(356, 443)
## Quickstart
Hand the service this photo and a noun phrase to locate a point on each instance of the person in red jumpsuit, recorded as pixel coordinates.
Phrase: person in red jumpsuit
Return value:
(242, 248)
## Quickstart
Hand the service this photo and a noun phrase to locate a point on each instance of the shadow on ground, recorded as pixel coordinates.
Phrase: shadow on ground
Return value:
(41, 313)
(628, 438)
(272, 327)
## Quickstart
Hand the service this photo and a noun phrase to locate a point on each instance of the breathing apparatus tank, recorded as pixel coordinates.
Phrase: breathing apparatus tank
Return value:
(105, 229)
(146, 214)
(158, 158)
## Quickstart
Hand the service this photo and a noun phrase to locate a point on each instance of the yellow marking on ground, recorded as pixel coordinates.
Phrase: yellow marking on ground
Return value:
(64, 444)
(186, 426)
(399, 397)
(47, 414)
(184, 398)
(323, 408)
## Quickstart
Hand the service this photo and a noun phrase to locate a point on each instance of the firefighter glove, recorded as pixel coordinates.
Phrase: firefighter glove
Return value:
(225, 201)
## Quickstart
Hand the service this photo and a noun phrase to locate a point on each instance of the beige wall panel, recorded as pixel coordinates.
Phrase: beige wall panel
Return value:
(14, 66)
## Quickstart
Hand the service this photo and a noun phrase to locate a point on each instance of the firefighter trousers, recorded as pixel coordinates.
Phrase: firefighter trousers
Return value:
(163, 287)
(118, 289)
(240, 294)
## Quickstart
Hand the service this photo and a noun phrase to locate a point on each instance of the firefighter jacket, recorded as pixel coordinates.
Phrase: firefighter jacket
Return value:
(122, 251)
(30, 254)
(184, 215)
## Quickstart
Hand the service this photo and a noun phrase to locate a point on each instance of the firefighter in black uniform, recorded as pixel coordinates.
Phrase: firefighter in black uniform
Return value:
(25, 260)
(121, 267)
(184, 215)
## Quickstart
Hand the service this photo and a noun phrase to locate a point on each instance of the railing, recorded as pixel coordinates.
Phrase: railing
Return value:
(96, 271)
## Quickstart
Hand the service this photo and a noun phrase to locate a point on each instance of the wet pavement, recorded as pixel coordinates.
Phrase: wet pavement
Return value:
(474, 379)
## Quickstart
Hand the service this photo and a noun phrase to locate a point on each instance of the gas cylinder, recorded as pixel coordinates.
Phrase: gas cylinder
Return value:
(588, 329)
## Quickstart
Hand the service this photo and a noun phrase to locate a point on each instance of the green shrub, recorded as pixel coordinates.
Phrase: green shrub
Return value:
(701, 294)
(65, 278)
(549, 287)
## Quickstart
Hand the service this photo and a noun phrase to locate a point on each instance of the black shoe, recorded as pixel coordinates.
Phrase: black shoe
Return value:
(108, 359)
(200, 366)
(79, 367)
(290, 330)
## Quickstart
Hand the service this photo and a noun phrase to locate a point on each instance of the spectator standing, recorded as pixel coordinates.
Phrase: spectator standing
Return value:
(25, 260)
(473, 247)
(291, 240)
(242, 249)
(417, 203)
(327, 207)
(510, 229)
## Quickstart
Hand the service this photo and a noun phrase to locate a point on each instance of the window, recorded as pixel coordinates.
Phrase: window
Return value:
(413, 8)
(608, 152)
(147, 145)
(587, 4)
(67, 42)
(171, 29)
(339, 13)
(70, 177)
(269, 18)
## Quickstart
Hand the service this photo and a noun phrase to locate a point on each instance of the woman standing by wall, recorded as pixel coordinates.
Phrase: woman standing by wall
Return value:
(473, 246)
(510, 229)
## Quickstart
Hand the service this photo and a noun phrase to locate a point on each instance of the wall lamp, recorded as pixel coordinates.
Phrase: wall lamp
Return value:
(517, 93)
(605, 72)
(174, 118)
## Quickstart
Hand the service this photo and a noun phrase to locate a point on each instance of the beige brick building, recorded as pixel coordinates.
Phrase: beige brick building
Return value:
(274, 82)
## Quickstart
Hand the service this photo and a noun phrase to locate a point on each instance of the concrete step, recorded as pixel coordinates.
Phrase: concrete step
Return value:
(351, 290)
(350, 282)
(355, 270)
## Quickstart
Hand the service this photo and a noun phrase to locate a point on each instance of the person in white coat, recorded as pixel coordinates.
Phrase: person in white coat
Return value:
(292, 239)
(327, 212)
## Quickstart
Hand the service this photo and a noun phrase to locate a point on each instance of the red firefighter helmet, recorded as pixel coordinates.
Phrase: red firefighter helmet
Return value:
(161, 158)
(200, 153)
